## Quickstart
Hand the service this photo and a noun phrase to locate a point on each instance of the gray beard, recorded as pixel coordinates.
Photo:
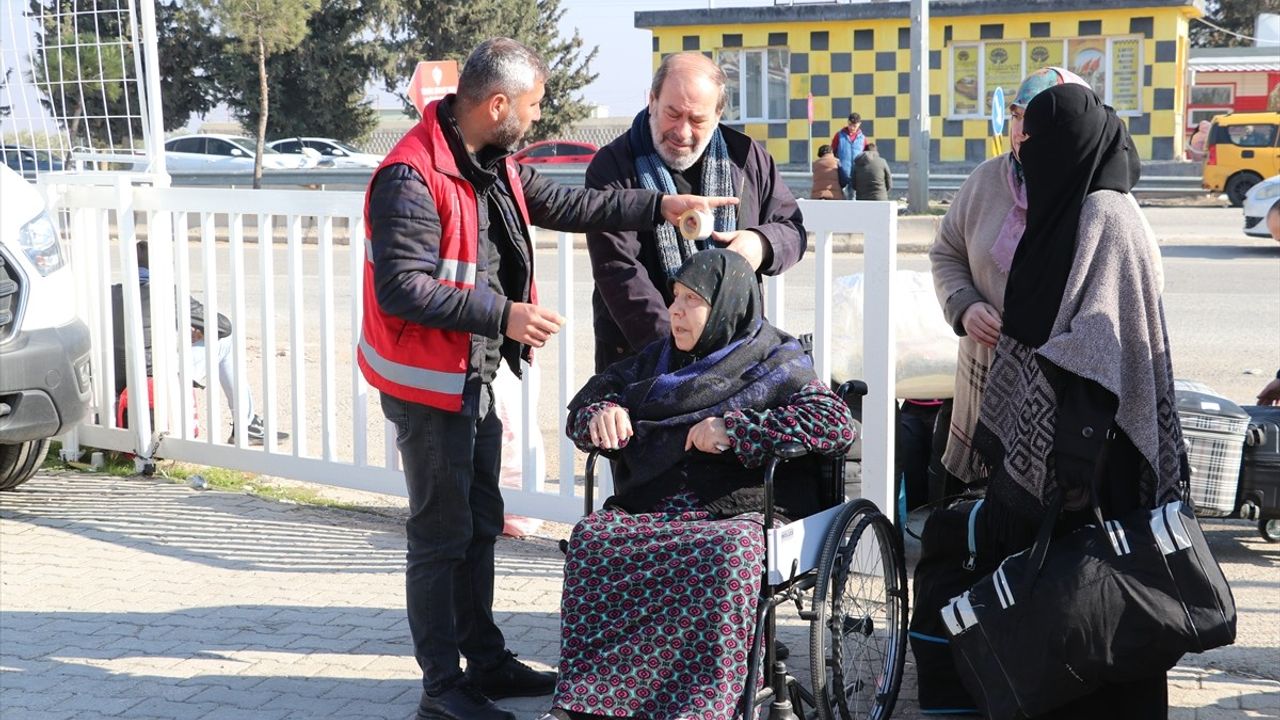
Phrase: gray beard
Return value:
(678, 164)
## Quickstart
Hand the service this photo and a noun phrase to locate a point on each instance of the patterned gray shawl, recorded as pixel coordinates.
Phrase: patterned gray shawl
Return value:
(1110, 329)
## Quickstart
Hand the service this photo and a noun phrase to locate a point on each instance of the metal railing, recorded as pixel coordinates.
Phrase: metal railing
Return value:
(799, 182)
(287, 267)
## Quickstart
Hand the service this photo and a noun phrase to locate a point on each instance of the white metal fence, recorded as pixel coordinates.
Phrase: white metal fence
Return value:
(286, 267)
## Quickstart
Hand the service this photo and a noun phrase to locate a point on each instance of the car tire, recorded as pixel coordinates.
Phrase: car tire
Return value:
(18, 462)
(1238, 186)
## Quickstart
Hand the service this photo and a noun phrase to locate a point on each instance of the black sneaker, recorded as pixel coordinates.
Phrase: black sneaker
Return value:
(512, 678)
(256, 433)
(463, 701)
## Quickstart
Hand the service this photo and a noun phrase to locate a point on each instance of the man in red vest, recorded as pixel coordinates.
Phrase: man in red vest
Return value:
(448, 297)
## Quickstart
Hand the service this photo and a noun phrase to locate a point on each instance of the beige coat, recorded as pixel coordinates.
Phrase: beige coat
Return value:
(826, 179)
(964, 273)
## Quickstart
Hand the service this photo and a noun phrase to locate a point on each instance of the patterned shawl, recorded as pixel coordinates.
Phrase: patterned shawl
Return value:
(752, 364)
(1110, 329)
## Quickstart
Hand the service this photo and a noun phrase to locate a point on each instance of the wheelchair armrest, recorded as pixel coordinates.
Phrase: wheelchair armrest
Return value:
(857, 388)
(790, 450)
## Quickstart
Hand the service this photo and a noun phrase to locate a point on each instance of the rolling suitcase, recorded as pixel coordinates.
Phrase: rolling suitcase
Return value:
(1259, 495)
(1214, 430)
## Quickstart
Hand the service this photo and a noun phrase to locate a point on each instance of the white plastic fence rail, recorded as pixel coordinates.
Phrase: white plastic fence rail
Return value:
(271, 261)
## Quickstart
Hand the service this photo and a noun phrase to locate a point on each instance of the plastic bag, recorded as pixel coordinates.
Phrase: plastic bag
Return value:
(926, 344)
(506, 395)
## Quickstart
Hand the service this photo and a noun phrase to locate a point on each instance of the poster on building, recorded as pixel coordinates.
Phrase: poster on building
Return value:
(1087, 57)
(1126, 83)
(1003, 70)
(1043, 53)
(965, 73)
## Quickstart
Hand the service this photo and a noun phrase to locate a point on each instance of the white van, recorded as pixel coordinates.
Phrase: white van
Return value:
(44, 347)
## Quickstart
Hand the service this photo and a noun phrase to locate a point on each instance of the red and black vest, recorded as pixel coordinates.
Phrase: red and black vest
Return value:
(412, 362)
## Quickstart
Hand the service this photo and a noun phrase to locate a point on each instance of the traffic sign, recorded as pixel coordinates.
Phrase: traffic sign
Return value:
(998, 111)
(432, 81)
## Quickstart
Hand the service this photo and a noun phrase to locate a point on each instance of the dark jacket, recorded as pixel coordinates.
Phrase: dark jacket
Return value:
(871, 179)
(406, 241)
(118, 332)
(631, 296)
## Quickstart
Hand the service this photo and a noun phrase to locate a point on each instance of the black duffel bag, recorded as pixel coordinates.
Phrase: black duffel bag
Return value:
(1109, 603)
(954, 554)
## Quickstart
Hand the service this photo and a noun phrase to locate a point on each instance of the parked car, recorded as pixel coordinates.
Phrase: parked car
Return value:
(556, 151)
(1242, 149)
(225, 152)
(333, 153)
(44, 348)
(1257, 202)
(28, 162)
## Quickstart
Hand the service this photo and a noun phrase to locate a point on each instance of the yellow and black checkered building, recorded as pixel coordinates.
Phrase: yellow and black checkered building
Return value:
(787, 61)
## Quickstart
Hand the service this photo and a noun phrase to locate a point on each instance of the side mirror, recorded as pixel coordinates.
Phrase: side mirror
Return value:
(237, 152)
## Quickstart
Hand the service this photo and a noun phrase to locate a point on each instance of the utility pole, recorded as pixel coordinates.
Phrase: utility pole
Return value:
(918, 172)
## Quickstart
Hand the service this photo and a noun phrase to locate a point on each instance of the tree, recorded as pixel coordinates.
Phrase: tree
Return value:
(322, 81)
(95, 103)
(450, 29)
(264, 27)
(1237, 16)
(6, 110)
(187, 53)
(82, 66)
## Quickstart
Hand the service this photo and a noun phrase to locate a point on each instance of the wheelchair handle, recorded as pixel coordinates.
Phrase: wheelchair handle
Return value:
(589, 483)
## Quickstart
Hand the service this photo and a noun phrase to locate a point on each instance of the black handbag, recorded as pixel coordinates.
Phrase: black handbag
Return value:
(1108, 603)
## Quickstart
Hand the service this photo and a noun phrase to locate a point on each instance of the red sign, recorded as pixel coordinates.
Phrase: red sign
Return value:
(432, 81)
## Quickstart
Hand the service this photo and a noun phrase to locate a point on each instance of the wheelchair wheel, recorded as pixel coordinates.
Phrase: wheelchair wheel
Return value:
(857, 641)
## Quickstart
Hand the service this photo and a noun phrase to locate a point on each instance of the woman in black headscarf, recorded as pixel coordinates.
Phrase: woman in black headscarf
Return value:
(661, 585)
(1083, 358)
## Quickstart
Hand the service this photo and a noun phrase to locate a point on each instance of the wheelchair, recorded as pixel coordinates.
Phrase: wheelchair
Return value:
(847, 564)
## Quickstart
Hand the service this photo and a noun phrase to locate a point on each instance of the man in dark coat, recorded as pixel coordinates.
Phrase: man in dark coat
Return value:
(677, 144)
(871, 179)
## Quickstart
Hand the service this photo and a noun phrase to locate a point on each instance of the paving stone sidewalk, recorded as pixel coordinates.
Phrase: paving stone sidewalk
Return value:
(135, 598)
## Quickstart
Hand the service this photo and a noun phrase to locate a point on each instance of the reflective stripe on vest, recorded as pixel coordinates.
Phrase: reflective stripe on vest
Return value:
(459, 273)
(448, 383)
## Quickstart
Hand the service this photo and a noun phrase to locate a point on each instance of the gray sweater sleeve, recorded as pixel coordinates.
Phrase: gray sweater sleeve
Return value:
(949, 258)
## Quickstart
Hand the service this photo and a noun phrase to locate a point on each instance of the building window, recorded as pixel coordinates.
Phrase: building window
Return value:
(1198, 115)
(1112, 66)
(1224, 95)
(757, 85)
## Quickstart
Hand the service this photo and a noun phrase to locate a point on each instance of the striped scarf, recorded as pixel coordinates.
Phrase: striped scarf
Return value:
(653, 173)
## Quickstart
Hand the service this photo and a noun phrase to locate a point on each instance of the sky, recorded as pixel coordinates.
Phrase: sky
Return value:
(623, 64)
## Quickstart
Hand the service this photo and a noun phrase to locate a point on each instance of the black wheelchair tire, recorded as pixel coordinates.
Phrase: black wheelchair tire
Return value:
(852, 526)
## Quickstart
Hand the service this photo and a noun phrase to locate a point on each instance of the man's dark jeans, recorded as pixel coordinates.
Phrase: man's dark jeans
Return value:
(451, 463)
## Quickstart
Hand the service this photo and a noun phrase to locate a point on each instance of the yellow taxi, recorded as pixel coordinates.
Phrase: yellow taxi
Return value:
(1243, 148)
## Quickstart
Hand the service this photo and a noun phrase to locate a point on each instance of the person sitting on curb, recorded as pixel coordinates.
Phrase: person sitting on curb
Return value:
(197, 369)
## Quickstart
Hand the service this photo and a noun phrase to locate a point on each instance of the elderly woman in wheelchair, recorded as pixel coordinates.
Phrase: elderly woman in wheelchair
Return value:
(662, 584)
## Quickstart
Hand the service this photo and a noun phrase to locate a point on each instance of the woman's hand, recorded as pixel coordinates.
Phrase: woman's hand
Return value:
(709, 436)
(610, 428)
(982, 323)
